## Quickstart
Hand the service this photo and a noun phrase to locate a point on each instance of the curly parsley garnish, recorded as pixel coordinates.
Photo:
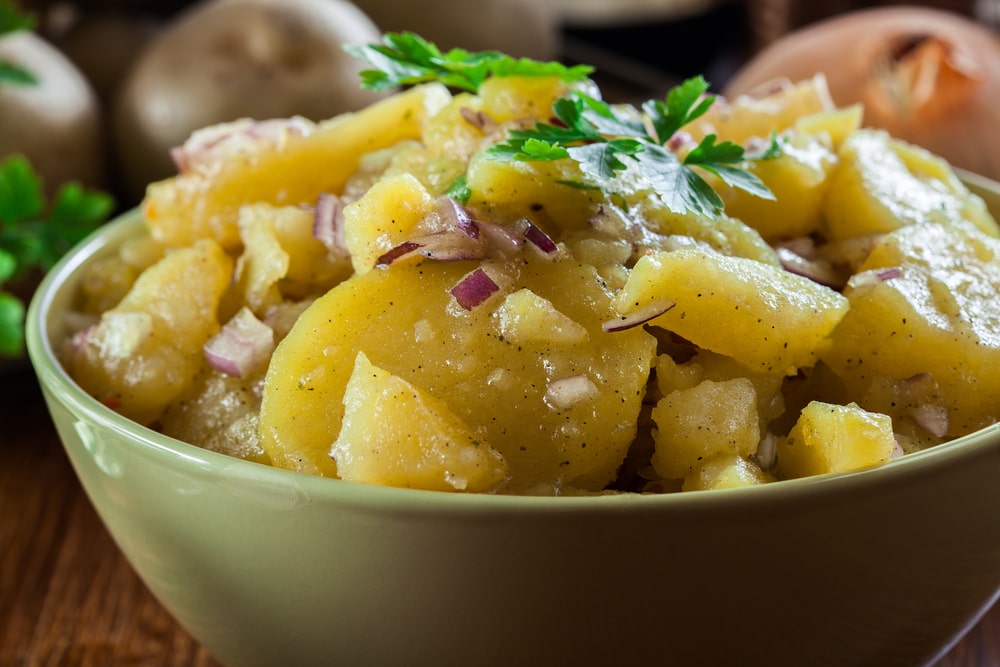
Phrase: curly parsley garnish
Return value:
(35, 236)
(13, 20)
(604, 140)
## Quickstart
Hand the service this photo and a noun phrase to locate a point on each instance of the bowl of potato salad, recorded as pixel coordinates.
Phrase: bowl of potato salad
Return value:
(496, 372)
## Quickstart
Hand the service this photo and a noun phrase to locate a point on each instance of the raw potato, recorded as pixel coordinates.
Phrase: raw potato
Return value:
(56, 124)
(227, 59)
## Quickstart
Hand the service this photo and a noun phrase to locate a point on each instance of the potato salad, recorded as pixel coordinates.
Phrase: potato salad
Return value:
(491, 280)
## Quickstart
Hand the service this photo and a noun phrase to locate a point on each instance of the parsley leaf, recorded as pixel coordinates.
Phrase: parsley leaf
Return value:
(13, 20)
(35, 236)
(405, 59)
(605, 141)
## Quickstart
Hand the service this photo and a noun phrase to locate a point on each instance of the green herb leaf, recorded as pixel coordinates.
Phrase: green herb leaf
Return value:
(33, 236)
(459, 190)
(606, 141)
(13, 20)
(20, 191)
(14, 75)
(405, 59)
(11, 325)
(684, 103)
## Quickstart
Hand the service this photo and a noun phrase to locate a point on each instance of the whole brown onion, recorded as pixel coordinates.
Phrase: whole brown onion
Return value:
(927, 76)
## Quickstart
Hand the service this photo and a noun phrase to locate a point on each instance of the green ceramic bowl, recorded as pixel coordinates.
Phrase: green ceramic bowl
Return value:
(268, 567)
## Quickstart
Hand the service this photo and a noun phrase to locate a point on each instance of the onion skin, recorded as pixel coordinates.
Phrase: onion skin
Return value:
(926, 76)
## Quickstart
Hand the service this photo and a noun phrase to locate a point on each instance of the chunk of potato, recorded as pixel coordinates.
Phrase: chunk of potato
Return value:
(198, 203)
(748, 116)
(728, 471)
(395, 434)
(767, 319)
(389, 214)
(881, 184)
(407, 323)
(708, 420)
(798, 180)
(146, 351)
(835, 438)
(926, 302)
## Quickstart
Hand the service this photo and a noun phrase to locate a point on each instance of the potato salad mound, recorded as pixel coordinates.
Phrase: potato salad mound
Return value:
(494, 281)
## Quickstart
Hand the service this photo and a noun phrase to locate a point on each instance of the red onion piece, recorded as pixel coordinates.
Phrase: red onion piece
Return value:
(450, 246)
(818, 271)
(502, 238)
(328, 222)
(402, 250)
(539, 239)
(210, 146)
(474, 289)
(241, 345)
(931, 418)
(639, 317)
(456, 216)
(889, 273)
(875, 276)
(566, 392)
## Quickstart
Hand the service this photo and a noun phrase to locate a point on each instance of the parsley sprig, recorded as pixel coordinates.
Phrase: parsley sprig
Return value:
(34, 235)
(405, 59)
(14, 20)
(603, 140)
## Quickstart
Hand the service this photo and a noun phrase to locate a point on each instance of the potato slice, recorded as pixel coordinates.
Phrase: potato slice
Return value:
(882, 184)
(764, 317)
(146, 351)
(926, 302)
(406, 321)
(394, 434)
(295, 170)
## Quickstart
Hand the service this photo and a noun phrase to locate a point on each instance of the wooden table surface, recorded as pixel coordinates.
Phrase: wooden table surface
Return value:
(69, 598)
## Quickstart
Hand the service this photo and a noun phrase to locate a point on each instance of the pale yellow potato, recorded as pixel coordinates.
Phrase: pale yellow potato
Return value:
(146, 351)
(394, 434)
(835, 438)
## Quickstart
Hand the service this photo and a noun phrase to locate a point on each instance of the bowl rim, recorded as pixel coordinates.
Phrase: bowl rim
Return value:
(58, 385)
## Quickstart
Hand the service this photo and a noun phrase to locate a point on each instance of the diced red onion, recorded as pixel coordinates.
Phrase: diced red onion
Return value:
(875, 276)
(402, 250)
(931, 418)
(450, 246)
(890, 273)
(474, 289)
(539, 239)
(818, 271)
(210, 146)
(241, 345)
(502, 238)
(566, 392)
(328, 222)
(456, 216)
(639, 317)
